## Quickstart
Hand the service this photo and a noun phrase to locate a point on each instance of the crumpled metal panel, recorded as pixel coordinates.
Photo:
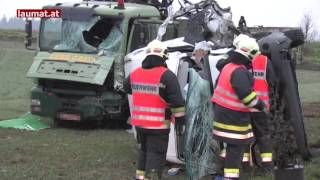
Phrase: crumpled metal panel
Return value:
(71, 67)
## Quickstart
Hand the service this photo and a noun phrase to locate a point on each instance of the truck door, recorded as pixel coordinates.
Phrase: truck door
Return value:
(145, 30)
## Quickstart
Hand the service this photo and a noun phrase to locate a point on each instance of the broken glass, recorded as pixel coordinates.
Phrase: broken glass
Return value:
(201, 150)
(113, 41)
(71, 36)
(89, 36)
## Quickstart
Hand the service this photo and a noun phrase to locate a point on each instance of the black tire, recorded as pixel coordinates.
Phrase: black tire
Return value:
(296, 36)
(260, 35)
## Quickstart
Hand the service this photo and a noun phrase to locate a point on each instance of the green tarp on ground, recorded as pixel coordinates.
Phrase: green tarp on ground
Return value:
(26, 121)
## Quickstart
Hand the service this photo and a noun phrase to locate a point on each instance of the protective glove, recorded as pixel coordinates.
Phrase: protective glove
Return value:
(266, 111)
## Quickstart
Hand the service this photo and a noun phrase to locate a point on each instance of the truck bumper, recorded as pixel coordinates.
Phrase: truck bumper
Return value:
(77, 107)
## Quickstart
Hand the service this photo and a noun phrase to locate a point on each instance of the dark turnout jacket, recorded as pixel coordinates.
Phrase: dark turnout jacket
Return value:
(271, 76)
(242, 82)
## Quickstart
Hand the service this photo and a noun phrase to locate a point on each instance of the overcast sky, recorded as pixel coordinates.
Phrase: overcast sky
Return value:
(256, 12)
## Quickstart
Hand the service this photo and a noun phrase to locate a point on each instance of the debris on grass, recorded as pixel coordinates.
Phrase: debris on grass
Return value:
(26, 121)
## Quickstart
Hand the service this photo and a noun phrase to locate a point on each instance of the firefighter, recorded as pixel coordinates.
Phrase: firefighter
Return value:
(201, 50)
(264, 80)
(242, 22)
(156, 98)
(233, 98)
(243, 25)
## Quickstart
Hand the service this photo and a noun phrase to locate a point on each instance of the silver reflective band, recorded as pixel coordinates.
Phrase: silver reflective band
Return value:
(148, 109)
(229, 102)
(145, 88)
(225, 92)
(233, 135)
(148, 118)
(261, 93)
(179, 114)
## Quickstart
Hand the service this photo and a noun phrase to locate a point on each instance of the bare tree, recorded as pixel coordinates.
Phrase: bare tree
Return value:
(309, 28)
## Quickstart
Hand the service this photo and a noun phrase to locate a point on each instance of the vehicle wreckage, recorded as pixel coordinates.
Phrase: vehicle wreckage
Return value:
(80, 67)
(208, 21)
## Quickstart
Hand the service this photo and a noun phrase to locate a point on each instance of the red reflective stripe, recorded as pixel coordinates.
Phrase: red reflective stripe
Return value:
(259, 65)
(224, 94)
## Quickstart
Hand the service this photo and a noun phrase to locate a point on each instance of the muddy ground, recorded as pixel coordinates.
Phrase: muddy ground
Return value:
(311, 110)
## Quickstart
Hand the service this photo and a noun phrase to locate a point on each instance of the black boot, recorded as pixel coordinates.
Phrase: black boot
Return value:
(153, 174)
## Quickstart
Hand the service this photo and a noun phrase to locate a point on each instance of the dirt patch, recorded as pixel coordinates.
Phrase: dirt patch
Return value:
(311, 110)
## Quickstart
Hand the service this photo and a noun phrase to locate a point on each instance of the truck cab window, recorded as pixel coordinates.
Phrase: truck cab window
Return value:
(80, 36)
(106, 34)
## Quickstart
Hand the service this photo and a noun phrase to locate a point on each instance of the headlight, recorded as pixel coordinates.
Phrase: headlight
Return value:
(35, 102)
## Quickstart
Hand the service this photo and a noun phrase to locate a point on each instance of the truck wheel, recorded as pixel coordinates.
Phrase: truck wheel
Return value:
(57, 122)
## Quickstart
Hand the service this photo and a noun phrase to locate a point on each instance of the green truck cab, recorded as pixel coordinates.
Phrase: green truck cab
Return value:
(79, 65)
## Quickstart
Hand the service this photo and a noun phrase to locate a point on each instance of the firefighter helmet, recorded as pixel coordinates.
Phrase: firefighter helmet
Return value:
(157, 48)
(247, 46)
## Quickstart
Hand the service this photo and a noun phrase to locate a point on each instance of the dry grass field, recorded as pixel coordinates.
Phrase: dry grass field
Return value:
(94, 153)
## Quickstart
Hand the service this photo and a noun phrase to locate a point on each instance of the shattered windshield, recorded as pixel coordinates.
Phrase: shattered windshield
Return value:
(81, 36)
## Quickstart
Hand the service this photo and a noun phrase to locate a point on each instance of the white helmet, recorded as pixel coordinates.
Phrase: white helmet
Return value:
(204, 45)
(157, 48)
(239, 38)
(247, 46)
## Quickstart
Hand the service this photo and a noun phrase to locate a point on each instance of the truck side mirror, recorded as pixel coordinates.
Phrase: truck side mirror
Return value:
(28, 30)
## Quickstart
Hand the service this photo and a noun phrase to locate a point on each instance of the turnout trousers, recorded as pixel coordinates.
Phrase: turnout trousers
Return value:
(153, 151)
(261, 131)
(233, 161)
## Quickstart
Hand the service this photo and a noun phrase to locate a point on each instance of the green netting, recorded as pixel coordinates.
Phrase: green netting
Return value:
(26, 121)
(201, 151)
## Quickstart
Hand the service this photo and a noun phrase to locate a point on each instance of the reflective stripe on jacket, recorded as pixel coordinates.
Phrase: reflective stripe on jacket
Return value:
(148, 109)
(259, 68)
(224, 94)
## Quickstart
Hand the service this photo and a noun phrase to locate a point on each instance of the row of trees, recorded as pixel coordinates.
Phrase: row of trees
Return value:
(309, 28)
(15, 23)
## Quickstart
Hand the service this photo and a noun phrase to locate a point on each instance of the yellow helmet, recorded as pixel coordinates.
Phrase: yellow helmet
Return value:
(247, 46)
(157, 48)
